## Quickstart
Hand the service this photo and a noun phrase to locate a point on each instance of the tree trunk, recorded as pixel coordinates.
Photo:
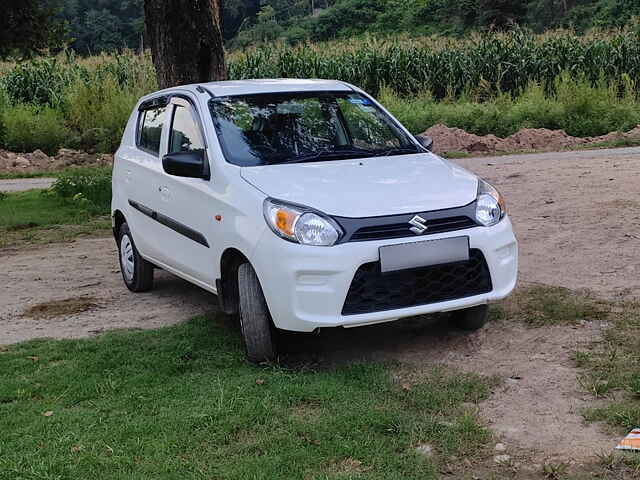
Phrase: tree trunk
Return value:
(186, 41)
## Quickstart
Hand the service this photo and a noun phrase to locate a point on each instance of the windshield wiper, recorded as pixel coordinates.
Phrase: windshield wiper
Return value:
(331, 154)
(396, 151)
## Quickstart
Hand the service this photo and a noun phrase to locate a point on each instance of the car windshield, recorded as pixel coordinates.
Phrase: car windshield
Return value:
(277, 128)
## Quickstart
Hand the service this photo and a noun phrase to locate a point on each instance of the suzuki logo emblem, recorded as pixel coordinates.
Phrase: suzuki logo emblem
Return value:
(419, 226)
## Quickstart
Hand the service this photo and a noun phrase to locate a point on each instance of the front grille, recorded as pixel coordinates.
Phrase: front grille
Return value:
(389, 227)
(401, 230)
(373, 291)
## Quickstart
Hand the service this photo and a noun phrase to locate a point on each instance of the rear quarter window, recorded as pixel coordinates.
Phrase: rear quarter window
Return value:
(150, 129)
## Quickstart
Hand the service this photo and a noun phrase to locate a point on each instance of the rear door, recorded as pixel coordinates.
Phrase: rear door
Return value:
(140, 173)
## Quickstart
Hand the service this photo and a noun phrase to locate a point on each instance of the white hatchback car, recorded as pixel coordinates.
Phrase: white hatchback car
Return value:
(304, 204)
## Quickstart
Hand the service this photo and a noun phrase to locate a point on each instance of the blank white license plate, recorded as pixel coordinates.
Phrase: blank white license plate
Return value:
(424, 254)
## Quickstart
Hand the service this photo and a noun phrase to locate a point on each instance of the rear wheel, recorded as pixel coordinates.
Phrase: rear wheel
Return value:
(255, 320)
(472, 318)
(137, 273)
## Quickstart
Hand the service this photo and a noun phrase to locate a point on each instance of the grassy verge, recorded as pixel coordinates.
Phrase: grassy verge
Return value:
(612, 369)
(544, 305)
(181, 402)
(37, 216)
(609, 368)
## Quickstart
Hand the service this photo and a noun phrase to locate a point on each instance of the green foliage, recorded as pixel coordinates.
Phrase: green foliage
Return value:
(493, 83)
(42, 81)
(92, 102)
(28, 27)
(345, 18)
(4, 106)
(195, 409)
(577, 107)
(99, 108)
(107, 25)
(504, 62)
(29, 127)
(90, 188)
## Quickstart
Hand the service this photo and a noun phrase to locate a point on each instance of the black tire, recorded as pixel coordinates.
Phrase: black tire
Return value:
(473, 318)
(139, 276)
(255, 320)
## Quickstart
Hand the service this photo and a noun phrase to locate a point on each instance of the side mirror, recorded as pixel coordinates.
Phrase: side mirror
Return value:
(426, 142)
(187, 164)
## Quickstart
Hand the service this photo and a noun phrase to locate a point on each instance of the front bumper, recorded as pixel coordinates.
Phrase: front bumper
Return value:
(305, 287)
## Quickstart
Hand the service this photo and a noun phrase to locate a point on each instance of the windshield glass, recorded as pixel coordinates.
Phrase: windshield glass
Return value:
(276, 128)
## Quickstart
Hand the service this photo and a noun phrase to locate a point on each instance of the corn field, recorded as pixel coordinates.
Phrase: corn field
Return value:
(503, 62)
(446, 68)
(491, 83)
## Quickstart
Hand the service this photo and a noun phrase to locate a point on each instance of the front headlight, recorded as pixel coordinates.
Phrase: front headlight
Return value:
(300, 224)
(490, 206)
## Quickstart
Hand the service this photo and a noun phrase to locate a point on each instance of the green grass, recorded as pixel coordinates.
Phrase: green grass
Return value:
(37, 216)
(612, 365)
(181, 402)
(543, 305)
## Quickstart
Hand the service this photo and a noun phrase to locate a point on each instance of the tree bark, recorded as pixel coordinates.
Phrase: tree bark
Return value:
(185, 37)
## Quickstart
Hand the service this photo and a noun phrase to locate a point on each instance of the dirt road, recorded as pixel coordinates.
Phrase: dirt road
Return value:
(576, 215)
(21, 184)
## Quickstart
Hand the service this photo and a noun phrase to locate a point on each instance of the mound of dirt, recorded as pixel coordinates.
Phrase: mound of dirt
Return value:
(39, 161)
(448, 139)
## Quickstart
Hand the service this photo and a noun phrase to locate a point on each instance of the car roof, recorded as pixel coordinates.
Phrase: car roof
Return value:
(267, 85)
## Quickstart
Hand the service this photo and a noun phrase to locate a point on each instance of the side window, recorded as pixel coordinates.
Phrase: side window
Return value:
(151, 122)
(185, 134)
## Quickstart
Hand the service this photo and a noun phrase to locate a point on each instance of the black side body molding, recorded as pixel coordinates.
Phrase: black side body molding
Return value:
(174, 225)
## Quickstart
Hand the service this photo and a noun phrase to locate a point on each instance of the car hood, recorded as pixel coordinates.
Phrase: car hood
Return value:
(368, 187)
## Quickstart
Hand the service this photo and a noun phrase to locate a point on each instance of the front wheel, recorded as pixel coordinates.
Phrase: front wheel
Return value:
(255, 320)
(473, 318)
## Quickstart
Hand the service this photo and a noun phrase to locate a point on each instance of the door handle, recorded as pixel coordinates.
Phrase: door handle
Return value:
(165, 193)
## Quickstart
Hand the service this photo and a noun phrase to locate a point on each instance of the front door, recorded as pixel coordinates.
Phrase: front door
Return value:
(183, 205)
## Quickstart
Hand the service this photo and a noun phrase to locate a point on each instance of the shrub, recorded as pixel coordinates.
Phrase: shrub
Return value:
(28, 128)
(4, 106)
(90, 187)
(579, 107)
(43, 81)
(99, 111)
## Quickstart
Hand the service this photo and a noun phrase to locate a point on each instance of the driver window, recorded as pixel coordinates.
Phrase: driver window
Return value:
(185, 134)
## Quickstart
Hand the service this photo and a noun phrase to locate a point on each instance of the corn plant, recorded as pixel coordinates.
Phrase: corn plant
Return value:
(508, 62)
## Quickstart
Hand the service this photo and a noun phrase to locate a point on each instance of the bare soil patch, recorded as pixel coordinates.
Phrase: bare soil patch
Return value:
(86, 268)
(577, 221)
(447, 139)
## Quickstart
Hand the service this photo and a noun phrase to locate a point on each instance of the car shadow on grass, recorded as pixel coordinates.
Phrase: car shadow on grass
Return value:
(427, 336)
